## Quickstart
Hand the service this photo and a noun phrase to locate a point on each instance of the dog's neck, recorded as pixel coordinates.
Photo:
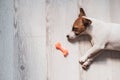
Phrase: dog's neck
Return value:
(89, 30)
(94, 27)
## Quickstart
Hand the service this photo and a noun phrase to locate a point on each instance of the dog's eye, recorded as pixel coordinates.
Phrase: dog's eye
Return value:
(74, 29)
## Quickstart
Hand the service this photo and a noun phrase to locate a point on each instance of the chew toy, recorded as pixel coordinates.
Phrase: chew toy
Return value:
(59, 47)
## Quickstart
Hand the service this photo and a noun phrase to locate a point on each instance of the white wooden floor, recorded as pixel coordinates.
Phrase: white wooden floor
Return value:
(29, 30)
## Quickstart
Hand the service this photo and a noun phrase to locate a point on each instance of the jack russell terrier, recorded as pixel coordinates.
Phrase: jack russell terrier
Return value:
(104, 36)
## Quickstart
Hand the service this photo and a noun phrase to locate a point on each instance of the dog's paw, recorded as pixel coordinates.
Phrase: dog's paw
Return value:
(85, 66)
(87, 63)
(82, 60)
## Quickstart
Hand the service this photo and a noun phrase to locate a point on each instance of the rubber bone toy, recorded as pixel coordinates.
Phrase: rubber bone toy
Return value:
(59, 47)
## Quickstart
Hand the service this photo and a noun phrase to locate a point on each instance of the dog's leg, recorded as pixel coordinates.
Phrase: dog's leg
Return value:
(90, 53)
(86, 64)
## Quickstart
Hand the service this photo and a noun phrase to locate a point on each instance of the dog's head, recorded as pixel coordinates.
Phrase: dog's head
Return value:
(80, 25)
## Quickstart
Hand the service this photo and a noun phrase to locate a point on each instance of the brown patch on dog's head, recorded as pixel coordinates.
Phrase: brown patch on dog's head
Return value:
(81, 23)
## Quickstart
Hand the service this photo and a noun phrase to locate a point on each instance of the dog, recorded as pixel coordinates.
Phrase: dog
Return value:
(104, 36)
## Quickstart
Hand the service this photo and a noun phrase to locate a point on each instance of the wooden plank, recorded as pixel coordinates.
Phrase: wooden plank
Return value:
(30, 40)
(6, 40)
(106, 66)
(60, 16)
(99, 69)
(114, 13)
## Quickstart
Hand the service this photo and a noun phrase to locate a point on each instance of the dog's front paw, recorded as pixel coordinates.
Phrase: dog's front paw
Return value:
(85, 66)
(87, 63)
(82, 60)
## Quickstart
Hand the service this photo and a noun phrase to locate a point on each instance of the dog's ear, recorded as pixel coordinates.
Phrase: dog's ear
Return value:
(82, 12)
(86, 22)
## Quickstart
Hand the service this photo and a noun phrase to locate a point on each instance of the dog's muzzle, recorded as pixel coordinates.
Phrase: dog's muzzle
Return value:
(71, 35)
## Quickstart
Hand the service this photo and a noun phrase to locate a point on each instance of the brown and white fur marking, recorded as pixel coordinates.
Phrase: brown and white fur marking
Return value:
(102, 33)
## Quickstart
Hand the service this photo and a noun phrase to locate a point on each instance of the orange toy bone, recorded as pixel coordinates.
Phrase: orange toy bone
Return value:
(64, 51)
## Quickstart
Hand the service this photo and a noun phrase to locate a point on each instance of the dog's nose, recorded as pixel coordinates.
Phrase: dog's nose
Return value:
(67, 36)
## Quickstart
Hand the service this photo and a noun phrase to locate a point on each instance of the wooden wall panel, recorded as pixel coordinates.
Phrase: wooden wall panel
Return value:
(29, 40)
(60, 16)
(115, 58)
(99, 69)
(6, 40)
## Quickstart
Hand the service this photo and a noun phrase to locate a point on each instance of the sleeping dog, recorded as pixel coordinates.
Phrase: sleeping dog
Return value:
(104, 36)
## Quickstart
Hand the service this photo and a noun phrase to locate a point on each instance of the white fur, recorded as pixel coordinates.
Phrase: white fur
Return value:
(72, 35)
